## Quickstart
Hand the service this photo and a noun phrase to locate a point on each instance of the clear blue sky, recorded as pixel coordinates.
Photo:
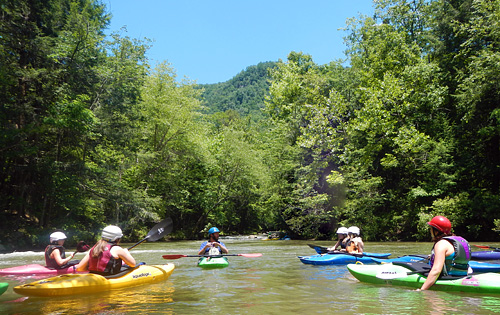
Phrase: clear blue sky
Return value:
(212, 41)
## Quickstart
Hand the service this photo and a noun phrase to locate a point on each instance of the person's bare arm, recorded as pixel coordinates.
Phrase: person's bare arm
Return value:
(56, 255)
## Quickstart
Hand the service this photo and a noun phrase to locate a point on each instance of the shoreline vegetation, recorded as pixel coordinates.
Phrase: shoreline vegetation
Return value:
(407, 128)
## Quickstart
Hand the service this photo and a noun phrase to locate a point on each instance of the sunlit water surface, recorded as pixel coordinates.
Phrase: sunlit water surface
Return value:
(275, 283)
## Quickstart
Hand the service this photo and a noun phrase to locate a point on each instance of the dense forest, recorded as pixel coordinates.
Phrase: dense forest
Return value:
(243, 94)
(405, 128)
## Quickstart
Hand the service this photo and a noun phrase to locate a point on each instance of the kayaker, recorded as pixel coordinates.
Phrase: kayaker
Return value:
(213, 246)
(450, 254)
(341, 240)
(55, 254)
(106, 256)
(355, 244)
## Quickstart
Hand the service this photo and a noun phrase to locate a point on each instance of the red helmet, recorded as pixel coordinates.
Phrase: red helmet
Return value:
(441, 223)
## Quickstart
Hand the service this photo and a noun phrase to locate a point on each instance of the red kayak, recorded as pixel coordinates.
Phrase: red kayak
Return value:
(35, 269)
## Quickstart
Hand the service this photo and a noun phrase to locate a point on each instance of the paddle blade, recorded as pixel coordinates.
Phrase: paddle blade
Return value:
(82, 247)
(319, 249)
(251, 255)
(159, 230)
(173, 256)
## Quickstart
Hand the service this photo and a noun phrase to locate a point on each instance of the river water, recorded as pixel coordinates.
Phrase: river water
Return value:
(276, 283)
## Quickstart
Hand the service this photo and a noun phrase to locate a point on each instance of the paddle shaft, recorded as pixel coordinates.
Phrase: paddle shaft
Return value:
(242, 255)
(496, 249)
(324, 250)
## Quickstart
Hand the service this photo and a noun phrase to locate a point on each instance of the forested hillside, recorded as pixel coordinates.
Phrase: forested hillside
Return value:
(408, 128)
(243, 94)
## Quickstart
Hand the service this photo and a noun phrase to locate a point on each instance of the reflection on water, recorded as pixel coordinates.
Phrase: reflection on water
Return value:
(143, 299)
(275, 283)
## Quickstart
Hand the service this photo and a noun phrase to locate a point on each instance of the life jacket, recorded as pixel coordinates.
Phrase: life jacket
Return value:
(51, 262)
(343, 243)
(351, 247)
(104, 264)
(457, 263)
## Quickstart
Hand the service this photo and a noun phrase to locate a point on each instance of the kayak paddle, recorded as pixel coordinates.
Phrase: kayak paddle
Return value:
(158, 231)
(496, 249)
(324, 250)
(81, 247)
(319, 249)
(389, 275)
(242, 255)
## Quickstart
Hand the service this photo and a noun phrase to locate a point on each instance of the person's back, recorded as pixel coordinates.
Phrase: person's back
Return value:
(106, 257)
(355, 244)
(457, 264)
(450, 254)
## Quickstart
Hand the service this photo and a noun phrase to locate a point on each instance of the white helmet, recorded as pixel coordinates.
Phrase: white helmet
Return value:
(111, 233)
(57, 236)
(353, 230)
(342, 230)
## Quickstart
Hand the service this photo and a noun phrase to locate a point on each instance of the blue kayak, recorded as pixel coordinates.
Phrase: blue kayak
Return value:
(406, 258)
(341, 259)
(477, 266)
(486, 255)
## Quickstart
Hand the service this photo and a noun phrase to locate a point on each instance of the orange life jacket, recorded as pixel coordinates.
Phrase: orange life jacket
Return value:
(352, 247)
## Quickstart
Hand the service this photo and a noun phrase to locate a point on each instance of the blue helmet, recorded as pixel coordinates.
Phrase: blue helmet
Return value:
(213, 230)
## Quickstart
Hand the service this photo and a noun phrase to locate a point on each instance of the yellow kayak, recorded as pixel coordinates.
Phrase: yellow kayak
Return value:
(74, 284)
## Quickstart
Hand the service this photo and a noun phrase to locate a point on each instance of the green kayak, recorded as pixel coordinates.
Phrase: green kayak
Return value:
(213, 262)
(403, 276)
(3, 287)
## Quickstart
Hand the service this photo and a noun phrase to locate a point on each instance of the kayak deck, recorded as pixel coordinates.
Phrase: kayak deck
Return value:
(36, 269)
(338, 259)
(213, 262)
(486, 255)
(480, 283)
(75, 284)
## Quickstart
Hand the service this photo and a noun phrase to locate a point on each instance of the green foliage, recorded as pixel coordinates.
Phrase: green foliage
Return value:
(408, 130)
(243, 94)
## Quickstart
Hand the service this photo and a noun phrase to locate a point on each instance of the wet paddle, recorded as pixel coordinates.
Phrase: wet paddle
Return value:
(242, 255)
(158, 231)
(496, 249)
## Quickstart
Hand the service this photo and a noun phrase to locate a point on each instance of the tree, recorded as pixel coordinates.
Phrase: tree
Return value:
(49, 52)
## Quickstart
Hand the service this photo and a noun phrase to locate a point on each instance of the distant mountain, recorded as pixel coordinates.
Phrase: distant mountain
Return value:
(244, 93)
